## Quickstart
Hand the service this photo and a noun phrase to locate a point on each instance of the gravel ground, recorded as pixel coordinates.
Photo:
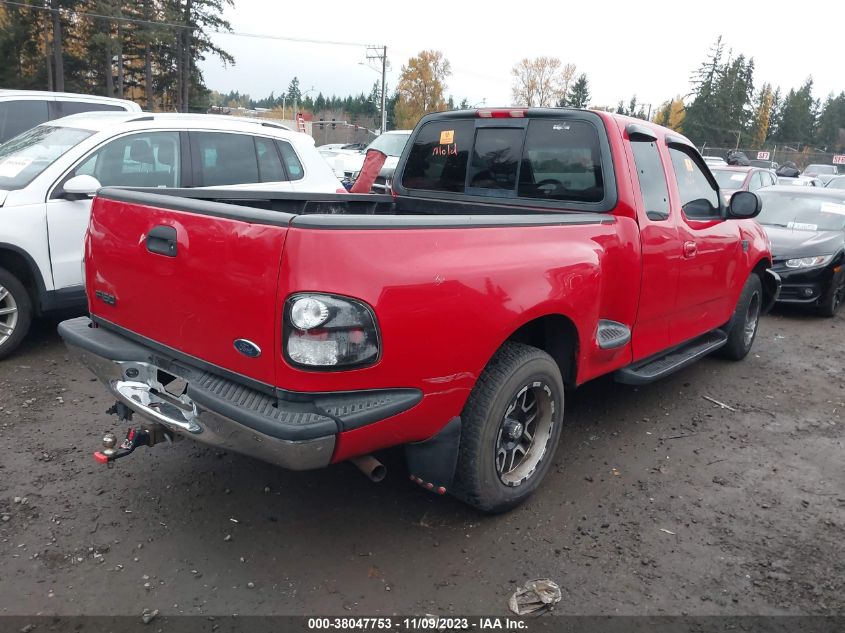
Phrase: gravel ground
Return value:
(661, 502)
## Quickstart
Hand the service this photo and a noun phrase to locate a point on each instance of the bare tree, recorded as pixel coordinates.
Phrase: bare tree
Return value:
(541, 82)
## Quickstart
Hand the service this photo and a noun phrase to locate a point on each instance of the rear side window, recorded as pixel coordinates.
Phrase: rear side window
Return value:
(292, 164)
(269, 164)
(439, 156)
(20, 116)
(66, 108)
(224, 159)
(652, 179)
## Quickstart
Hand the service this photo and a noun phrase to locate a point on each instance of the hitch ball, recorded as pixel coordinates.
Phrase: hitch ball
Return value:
(109, 444)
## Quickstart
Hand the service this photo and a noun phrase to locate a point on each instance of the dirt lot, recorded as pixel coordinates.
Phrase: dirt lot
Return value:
(661, 503)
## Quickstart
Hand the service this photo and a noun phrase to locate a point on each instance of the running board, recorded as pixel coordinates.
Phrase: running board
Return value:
(677, 358)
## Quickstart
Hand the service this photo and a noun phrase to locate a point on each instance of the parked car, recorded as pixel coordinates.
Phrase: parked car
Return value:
(545, 250)
(765, 164)
(837, 182)
(822, 172)
(347, 164)
(733, 178)
(392, 144)
(48, 175)
(715, 160)
(799, 181)
(21, 110)
(807, 231)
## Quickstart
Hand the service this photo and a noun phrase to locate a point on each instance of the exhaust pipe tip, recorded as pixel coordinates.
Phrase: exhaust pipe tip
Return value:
(372, 468)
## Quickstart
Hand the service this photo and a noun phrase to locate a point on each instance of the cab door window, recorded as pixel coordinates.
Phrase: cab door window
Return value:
(699, 197)
(147, 159)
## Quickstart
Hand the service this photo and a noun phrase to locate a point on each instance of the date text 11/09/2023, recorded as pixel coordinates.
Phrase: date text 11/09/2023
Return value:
(418, 623)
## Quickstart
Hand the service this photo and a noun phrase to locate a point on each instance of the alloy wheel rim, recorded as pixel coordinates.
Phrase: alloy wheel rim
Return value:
(524, 432)
(752, 315)
(8, 314)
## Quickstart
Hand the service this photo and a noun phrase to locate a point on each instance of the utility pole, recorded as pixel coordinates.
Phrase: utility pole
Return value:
(379, 53)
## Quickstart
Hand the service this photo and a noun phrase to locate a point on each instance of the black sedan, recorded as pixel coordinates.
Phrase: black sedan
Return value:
(807, 229)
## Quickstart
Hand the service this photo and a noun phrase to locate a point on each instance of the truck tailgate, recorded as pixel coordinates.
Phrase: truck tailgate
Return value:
(193, 281)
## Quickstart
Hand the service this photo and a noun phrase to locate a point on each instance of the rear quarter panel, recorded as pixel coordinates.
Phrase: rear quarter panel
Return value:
(447, 298)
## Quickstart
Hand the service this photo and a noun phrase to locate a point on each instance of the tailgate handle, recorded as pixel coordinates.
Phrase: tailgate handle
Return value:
(162, 241)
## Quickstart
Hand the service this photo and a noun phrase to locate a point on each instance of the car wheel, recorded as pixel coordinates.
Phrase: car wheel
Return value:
(834, 296)
(510, 427)
(15, 312)
(742, 328)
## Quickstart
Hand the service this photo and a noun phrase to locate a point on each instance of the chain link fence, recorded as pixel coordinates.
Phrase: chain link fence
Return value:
(779, 154)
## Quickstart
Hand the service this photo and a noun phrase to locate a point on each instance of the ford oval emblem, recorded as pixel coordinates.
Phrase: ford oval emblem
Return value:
(247, 348)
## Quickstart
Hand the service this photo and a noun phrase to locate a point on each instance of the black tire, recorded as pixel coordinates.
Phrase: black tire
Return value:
(514, 375)
(18, 300)
(746, 315)
(834, 297)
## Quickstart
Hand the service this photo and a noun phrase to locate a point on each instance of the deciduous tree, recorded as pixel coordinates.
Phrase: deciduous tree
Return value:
(541, 82)
(421, 87)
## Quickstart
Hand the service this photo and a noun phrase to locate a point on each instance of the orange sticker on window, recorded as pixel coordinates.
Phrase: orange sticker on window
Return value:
(688, 163)
(447, 137)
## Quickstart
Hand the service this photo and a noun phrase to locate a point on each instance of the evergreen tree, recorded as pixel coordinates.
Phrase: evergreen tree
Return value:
(579, 93)
(830, 133)
(798, 118)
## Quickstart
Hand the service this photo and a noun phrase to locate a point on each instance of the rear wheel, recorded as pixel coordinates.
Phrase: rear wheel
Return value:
(510, 428)
(742, 329)
(15, 312)
(834, 296)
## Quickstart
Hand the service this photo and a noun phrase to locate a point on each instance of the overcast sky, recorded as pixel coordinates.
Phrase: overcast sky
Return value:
(648, 49)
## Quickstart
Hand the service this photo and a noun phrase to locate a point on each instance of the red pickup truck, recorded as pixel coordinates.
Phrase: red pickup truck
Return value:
(522, 252)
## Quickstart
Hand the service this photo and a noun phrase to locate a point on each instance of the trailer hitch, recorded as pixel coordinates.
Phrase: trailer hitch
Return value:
(135, 437)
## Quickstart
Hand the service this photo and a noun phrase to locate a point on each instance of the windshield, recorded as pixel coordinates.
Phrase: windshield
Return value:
(728, 178)
(802, 213)
(821, 169)
(837, 183)
(24, 157)
(390, 144)
(767, 164)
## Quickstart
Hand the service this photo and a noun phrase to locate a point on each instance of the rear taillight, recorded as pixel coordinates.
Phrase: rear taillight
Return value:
(322, 331)
(507, 113)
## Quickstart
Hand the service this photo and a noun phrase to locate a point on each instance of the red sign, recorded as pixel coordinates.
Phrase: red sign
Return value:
(762, 155)
(839, 159)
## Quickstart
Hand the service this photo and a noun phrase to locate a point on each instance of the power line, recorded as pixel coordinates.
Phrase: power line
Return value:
(177, 25)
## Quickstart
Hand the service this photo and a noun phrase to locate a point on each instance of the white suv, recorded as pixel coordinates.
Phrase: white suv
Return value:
(21, 110)
(49, 174)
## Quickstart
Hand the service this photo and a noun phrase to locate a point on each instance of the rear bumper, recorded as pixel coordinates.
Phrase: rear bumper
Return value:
(298, 434)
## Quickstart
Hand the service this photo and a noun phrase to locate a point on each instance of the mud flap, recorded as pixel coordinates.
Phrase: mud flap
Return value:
(432, 462)
(771, 289)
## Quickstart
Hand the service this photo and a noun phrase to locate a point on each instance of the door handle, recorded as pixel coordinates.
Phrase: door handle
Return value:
(690, 249)
(161, 240)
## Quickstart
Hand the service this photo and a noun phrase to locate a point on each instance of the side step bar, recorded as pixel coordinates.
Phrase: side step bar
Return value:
(657, 367)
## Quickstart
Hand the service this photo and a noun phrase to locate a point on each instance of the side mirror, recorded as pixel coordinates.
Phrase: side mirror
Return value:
(81, 187)
(744, 205)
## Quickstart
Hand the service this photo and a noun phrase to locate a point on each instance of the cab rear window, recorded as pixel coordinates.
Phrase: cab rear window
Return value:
(549, 159)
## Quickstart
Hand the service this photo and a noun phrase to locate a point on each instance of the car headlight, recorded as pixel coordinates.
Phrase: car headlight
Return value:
(323, 331)
(809, 262)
